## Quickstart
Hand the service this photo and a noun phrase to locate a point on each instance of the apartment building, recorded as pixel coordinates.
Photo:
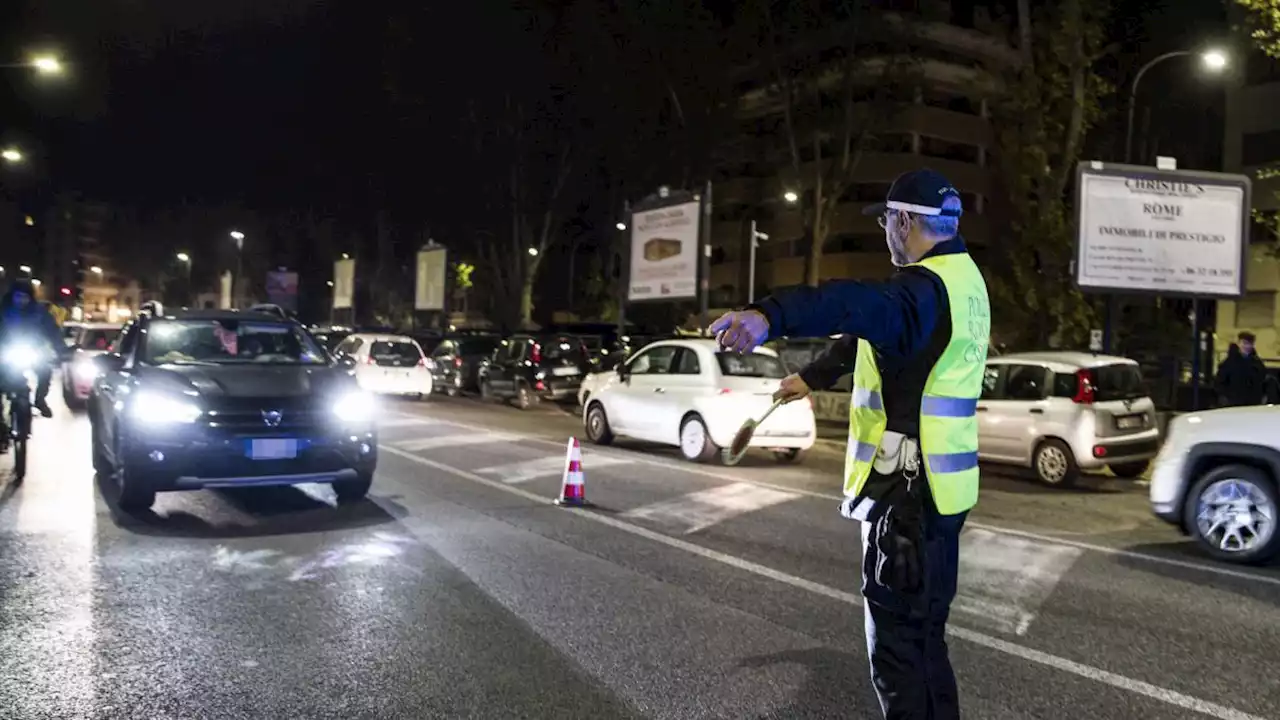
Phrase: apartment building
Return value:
(1252, 144)
(958, 60)
(73, 257)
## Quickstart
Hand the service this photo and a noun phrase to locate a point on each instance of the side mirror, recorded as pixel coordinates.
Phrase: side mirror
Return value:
(109, 362)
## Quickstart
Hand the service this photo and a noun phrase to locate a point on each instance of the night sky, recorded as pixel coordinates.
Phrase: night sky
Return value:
(268, 105)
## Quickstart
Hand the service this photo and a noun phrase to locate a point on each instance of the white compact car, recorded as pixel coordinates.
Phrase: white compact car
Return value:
(689, 394)
(89, 341)
(1061, 413)
(387, 364)
(1217, 478)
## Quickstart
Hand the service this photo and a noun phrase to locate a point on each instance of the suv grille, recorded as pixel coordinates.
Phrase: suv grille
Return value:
(256, 420)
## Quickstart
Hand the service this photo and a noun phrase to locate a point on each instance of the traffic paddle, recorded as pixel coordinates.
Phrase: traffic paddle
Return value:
(733, 454)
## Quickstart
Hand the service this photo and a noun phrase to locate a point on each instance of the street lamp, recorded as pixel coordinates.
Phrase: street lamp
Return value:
(1214, 60)
(184, 258)
(24, 268)
(96, 270)
(756, 238)
(235, 279)
(35, 282)
(11, 155)
(533, 252)
(621, 226)
(47, 65)
(791, 197)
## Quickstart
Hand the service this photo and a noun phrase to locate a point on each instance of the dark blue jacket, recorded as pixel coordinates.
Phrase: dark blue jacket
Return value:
(906, 320)
(33, 322)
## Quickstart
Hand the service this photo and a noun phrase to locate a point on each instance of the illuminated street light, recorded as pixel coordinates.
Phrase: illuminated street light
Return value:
(31, 222)
(621, 226)
(1214, 59)
(35, 282)
(47, 65)
(346, 256)
(12, 155)
(24, 268)
(96, 270)
(329, 283)
(533, 252)
(183, 258)
(790, 196)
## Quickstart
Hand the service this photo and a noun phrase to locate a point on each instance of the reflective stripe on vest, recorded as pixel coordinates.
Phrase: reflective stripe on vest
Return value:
(949, 403)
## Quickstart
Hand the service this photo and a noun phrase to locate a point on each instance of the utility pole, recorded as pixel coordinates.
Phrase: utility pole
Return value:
(756, 238)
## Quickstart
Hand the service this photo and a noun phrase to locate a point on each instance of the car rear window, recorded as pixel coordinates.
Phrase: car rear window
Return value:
(395, 353)
(562, 351)
(98, 339)
(752, 365)
(1117, 382)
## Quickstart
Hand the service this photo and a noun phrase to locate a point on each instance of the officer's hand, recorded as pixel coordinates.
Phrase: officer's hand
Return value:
(741, 330)
(793, 388)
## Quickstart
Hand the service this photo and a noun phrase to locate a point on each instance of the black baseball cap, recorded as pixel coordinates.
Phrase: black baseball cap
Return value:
(921, 192)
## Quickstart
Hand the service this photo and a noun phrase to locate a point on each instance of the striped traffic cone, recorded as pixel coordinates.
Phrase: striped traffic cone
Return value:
(573, 490)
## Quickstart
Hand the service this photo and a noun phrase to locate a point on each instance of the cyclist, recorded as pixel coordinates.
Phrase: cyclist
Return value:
(21, 317)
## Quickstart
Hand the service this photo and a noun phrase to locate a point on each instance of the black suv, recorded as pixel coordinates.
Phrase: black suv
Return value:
(528, 368)
(223, 398)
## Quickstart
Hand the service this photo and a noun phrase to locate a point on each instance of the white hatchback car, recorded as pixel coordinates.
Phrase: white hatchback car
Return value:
(89, 341)
(387, 364)
(689, 394)
(1064, 412)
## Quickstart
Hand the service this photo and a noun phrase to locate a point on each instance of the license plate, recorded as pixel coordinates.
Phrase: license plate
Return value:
(1129, 422)
(565, 371)
(273, 449)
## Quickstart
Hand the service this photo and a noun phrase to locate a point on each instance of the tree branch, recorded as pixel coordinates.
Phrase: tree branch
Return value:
(787, 87)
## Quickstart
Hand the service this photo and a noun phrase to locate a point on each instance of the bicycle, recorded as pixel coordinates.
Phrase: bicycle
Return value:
(15, 363)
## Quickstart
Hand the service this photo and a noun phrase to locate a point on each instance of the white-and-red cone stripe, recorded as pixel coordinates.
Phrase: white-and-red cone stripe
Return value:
(573, 489)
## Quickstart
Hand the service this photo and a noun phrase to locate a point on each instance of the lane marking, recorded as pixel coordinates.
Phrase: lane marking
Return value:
(452, 441)
(1004, 580)
(1105, 677)
(700, 510)
(399, 421)
(640, 457)
(549, 466)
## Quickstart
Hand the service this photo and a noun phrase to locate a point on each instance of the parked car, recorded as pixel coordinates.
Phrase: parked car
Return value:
(1061, 413)
(1217, 478)
(387, 364)
(222, 398)
(330, 337)
(89, 341)
(527, 369)
(689, 394)
(456, 362)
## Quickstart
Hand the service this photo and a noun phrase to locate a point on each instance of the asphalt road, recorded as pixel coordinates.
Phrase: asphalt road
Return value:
(459, 591)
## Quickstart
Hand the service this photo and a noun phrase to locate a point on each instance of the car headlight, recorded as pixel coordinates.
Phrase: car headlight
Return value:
(21, 357)
(354, 407)
(85, 369)
(157, 409)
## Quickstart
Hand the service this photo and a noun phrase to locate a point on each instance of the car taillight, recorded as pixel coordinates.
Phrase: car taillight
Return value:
(536, 354)
(457, 362)
(422, 362)
(369, 360)
(1084, 388)
(723, 391)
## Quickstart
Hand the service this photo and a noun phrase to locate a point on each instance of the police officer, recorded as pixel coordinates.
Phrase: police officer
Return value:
(918, 346)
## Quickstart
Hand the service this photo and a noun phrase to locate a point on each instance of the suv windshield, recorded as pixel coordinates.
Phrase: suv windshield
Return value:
(1117, 382)
(201, 342)
(752, 365)
(98, 339)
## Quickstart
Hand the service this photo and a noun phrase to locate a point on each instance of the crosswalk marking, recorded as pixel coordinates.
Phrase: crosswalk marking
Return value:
(552, 465)
(700, 510)
(451, 441)
(1005, 579)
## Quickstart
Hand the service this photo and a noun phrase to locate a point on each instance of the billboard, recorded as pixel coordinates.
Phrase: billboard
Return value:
(282, 289)
(344, 284)
(1171, 232)
(429, 282)
(664, 253)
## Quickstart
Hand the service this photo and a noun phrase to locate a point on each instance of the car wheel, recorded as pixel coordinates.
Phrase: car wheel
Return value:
(454, 389)
(789, 455)
(1129, 470)
(523, 399)
(695, 441)
(101, 465)
(597, 426)
(135, 493)
(1232, 511)
(1055, 464)
(350, 491)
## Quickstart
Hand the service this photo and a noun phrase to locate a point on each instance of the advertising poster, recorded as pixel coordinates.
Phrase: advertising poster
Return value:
(429, 282)
(224, 291)
(664, 253)
(282, 289)
(1167, 232)
(344, 284)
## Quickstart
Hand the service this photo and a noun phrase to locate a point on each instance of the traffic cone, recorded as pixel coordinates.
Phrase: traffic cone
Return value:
(573, 490)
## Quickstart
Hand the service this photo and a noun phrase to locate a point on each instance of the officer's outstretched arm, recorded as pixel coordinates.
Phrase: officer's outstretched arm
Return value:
(897, 317)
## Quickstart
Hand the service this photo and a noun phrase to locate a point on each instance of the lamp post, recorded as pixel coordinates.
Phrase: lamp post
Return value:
(185, 261)
(238, 237)
(756, 238)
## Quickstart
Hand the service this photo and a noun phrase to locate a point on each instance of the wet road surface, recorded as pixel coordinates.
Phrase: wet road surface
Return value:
(459, 591)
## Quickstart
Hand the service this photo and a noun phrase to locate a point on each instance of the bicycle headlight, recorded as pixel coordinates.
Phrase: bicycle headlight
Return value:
(157, 409)
(21, 357)
(354, 407)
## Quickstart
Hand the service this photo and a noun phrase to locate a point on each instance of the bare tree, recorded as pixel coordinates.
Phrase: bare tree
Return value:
(833, 100)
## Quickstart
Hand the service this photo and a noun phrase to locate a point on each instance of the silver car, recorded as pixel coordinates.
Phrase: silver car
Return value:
(1061, 413)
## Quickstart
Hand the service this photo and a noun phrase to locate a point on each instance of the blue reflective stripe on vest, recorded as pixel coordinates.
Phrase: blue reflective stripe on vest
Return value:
(952, 462)
(948, 406)
(865, 398)
(865, 452)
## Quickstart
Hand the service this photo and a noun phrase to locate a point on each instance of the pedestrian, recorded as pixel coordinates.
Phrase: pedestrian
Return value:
(918, 347)
(1242, 378)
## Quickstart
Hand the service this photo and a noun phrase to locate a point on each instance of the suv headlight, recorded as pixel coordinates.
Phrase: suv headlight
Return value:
(354, 407)
(157, 409)
(85, 369)
(21, 357)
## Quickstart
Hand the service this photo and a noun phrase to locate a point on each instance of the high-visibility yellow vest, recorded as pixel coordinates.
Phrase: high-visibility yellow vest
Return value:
(949, 404)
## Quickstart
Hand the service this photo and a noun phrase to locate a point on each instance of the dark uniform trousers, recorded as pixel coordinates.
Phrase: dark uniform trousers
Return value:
(906, 631)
